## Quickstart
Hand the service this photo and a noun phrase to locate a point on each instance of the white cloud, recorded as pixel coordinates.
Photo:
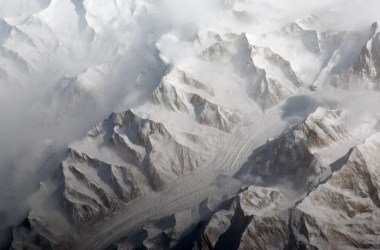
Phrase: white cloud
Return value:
(80, 74)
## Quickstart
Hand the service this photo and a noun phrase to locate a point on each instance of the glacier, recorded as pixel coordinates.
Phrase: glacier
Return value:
(220, 124)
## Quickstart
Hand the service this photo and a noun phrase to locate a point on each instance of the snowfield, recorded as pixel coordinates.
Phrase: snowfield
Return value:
(223, 119)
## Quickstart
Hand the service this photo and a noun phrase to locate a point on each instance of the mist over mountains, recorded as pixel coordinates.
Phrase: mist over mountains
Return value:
(218, 124)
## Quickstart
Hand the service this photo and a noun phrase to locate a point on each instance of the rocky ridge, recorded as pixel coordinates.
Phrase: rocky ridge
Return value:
(289, 198)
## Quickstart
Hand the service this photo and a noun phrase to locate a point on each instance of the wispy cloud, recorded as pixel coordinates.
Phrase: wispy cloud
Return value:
(82, 65)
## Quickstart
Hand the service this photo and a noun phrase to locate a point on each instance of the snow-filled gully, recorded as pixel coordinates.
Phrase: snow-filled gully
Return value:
(189, 190)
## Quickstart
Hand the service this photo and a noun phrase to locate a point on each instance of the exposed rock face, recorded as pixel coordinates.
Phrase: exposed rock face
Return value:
(322, 128)
(245, 221)
(354, 71)
(143, 140)
(277, 79)
(218, 51)
(264, 216)
(188, 166)
(342, 213)
(213, 115)
(127, 153)
(169, 92)
(368, 64)
(93, 188)
(270, 76)
(289, 158)
(304, 30)
(182, 93)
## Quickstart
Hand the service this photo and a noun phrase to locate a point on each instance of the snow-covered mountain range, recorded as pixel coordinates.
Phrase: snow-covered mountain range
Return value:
(229, 124)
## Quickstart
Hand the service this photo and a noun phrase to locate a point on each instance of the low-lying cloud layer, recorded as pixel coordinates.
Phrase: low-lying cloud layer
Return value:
(65, 65)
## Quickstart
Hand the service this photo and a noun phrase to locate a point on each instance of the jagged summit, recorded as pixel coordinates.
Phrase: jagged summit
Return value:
(232, 124)
(351, 192)
(367, 64)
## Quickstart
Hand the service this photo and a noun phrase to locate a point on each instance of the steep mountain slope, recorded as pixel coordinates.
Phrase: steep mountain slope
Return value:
(326, 214)
(229, 127)
(341, 213)
(367, 65)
